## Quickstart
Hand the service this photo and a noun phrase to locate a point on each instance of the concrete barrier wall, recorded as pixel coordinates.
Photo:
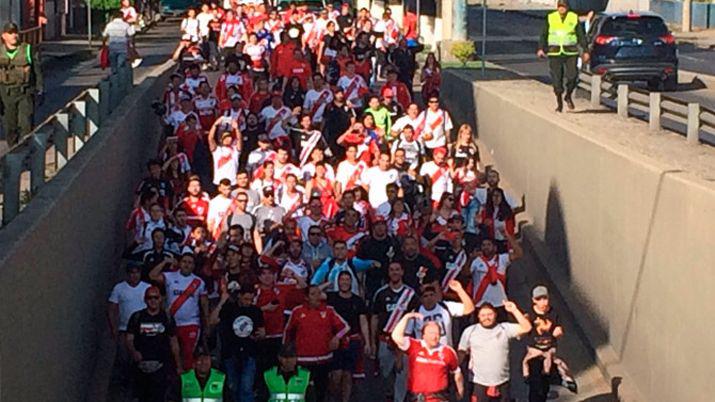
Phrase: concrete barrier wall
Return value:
(59, 257)
(632, 238)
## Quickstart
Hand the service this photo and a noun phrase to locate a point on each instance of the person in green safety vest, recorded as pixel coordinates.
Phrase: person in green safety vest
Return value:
(287, 381)
(20, 83)
(202, 384)
(560, 41)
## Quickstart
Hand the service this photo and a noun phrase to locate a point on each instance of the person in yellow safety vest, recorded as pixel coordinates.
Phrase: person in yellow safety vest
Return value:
(287, 382)
(202, 384)
(560, 41)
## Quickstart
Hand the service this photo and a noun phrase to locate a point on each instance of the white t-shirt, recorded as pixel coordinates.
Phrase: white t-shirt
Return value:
(188, 313)
(304, 224)
(204, 19)
(494, 294)
(225, 163)
(488, 352)
(352, 87)
(308, 171)
(442, 313)
(130, 300)
(218, 209)
(440, 184)
(376, 179)
(404, 121)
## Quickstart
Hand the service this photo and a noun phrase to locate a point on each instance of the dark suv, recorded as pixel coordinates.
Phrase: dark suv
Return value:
(634, 47)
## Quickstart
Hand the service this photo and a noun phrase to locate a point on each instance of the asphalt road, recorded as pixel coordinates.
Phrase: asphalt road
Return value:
(512, 37)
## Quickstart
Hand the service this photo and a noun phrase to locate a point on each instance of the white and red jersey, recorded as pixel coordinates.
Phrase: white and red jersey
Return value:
(439, 177)
(305, 222)
(129, 14)
(489, 279)
(191, 84)
(311, 35)
(311, 330)
(178, 116)
(235, 115)
(171, 99)
(231, 33)
(280, 171)
(197, 209)
(275, 27)
(183, 294)
(137, 218)
(436, 124)
(259, 185)
(257, 157)
(315, 102)
(219, 209)
(349, 175)
(308, 171)
(290, 202)
(257, 55)
(274, 119)
(225, 163)
(295, 268)
(205, 107)
(429, 369)
(354, 87)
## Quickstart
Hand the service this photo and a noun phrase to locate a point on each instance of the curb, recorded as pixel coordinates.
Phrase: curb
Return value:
(605, 356)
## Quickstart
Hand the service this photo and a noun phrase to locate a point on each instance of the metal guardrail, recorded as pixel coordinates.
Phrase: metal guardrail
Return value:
(654, 107)
(32, 36)
(40, 155)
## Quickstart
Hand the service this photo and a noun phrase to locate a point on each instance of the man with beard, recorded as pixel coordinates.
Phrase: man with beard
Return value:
(416, 265)
(487, 344)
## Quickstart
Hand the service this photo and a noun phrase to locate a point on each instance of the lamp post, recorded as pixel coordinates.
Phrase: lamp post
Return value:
(89, 23)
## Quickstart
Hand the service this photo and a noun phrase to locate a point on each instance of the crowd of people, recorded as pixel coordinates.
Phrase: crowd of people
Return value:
(310, 220)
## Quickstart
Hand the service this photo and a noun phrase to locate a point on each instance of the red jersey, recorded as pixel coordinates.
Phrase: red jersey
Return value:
(351, 238)
(302, 70)
(429, 369)
(188, 138)
(258, 101)
(399, 91)
(279, 57)
(206, 107)
(196, 210)
(274, 320)
(311, 329)
(241, 80)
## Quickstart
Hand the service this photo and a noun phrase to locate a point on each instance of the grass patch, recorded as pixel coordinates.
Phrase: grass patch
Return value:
(470, 64)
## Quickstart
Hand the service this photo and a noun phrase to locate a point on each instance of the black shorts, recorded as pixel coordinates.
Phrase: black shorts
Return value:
(345, 358)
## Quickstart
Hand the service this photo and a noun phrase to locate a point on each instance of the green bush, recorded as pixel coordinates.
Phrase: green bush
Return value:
(463, 51)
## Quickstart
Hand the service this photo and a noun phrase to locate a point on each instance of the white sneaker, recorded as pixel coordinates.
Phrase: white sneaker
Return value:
(137, 62)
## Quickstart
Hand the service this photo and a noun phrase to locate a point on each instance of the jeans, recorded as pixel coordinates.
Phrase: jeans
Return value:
(397, 380)
(241, 374)
(116, 60)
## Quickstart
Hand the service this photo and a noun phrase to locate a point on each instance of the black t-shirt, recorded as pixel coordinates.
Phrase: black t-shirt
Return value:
(463, 153)
(152, 335)
(349, 309)
(412, 267)
(385, 302)
(337, 120)
(542, 332)
(345, 21)
(238, 324)
(379, 250)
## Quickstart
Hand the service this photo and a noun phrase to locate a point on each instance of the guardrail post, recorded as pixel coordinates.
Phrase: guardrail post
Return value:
(693, 133)
(595, 90)
(78, 124)
(37, 161)
(105, 99)
(654, 111)
(62, 125)
(11, 186)
(93, 113)
(623, 100)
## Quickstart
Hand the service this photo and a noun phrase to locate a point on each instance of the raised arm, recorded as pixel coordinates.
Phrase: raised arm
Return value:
(212, 135)
(516, 251)
(463, 296)
(398, 334)
(156, 274)
(524, 323)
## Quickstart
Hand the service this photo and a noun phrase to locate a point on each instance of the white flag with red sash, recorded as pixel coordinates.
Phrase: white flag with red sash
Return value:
(278, 117)
(319, 102)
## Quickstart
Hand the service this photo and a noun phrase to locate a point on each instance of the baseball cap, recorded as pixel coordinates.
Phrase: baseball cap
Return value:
(539, 291)
(562, 3)
(10, 27)
(233, 286)
(267, 190)
(287, 350)
(236, 97)
(440, 150)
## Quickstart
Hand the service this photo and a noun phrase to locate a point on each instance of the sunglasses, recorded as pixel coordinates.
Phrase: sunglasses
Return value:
(314, 234)
(242, 200)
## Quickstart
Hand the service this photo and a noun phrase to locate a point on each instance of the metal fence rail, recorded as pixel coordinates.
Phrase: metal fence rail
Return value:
(32, 36)
(40, 155)
(693, 120)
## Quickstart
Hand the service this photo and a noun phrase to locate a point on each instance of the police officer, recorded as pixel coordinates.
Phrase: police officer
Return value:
(559, 41)
(203, 383)
(20, 81)
(287, 381)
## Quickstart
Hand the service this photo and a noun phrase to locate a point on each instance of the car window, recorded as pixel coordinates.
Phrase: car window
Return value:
(618, 26)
